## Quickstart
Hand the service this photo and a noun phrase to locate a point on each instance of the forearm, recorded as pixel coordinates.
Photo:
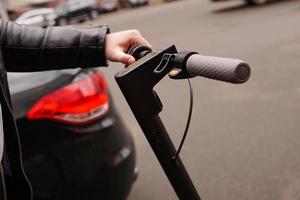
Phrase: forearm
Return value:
(36, 49)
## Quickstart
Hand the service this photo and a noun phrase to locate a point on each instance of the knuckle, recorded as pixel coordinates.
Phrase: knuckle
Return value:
(135, 32)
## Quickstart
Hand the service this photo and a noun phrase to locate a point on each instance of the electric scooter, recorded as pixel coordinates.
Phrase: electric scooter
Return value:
(137, 81)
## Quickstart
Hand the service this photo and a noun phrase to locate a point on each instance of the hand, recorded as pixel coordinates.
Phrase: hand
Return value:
(116, 44)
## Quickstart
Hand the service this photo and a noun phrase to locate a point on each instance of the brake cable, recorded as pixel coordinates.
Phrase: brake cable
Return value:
(139, 51)
(187, 126)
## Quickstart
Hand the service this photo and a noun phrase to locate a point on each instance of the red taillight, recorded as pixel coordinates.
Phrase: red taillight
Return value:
(80, 102)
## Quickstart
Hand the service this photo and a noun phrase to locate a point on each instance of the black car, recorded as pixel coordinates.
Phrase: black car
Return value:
(74, 143)
(76, 10)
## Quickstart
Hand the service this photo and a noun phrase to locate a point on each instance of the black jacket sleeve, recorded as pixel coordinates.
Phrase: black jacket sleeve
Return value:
(27, 49)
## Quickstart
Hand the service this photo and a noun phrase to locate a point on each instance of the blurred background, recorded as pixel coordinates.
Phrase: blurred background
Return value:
(244, 140)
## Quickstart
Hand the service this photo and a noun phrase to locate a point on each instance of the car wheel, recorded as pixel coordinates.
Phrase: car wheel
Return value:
(256, 2)
(62, 22)
(93, 14)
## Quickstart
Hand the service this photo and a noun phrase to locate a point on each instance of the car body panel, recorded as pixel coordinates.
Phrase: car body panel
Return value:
(38, 17)
(25, 93)
(75, 10)
(134, 3)
(107, 6)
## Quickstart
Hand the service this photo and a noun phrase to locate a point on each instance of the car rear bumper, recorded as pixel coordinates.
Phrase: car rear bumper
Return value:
(96, 161)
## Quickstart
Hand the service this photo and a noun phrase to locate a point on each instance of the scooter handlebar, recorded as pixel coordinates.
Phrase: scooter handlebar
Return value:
(222, 69)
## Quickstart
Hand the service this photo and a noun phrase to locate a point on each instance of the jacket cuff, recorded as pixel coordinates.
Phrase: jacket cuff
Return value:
(103, 31)
(93, 55)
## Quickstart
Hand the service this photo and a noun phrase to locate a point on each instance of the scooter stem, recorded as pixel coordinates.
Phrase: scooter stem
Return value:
(136, 83)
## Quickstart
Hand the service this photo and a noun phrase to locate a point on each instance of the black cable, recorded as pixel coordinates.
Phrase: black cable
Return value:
(188, 121)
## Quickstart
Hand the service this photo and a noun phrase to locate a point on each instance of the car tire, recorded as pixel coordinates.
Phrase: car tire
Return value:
(256, 2)
(93, 14)
(62, 22)
(124, 4)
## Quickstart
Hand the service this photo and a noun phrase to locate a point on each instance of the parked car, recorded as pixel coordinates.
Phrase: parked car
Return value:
(74, 143)
(254, 2)
(75, 10)
(105, 6)
(133, 3)
(38, 17)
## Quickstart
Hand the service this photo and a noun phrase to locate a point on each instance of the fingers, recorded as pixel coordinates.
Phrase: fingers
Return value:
(127, 59)
(124, 58)
(139, 39)
(117, 44)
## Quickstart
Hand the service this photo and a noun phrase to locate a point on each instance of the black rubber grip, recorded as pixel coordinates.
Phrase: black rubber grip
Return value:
(222, 69)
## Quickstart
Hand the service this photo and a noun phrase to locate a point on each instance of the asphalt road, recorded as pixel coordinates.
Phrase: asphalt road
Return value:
(244, 140)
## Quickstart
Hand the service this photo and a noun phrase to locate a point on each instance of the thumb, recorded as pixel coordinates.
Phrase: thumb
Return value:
(125, 58)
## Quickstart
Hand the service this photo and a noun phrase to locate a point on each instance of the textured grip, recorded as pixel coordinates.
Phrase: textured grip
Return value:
(222, 69)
